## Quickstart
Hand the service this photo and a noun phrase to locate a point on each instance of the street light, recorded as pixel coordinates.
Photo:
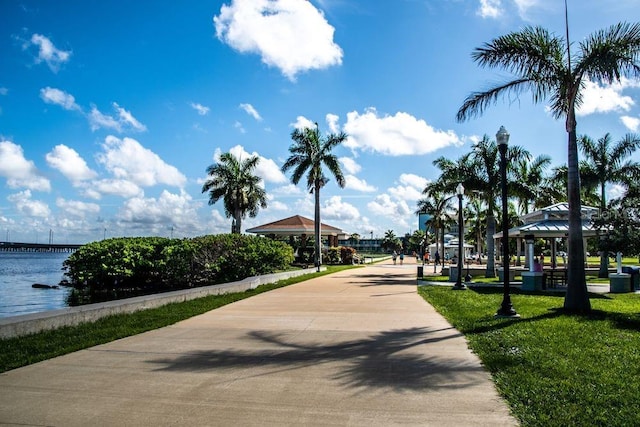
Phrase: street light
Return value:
(460, 193)
(506, 309)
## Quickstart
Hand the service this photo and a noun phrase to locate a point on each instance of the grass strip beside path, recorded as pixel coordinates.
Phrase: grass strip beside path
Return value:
(21, 351)
(554, 369)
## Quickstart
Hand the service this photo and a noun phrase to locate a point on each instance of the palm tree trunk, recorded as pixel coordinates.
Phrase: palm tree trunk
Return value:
(491, 256)
(577, 296)
(318, 255)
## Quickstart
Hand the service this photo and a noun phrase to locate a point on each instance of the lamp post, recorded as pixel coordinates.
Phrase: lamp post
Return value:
(459, 285)
(506, 309)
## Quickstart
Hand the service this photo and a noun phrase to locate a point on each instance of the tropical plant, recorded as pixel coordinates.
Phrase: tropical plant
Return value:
(476, 219)
(605, 164)
(390, 242)
(530, 182)
(309, 153)
(543, 64)
(438, 206)
(233, 181)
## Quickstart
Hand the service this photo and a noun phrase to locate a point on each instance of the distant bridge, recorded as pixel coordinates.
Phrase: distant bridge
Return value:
(37, 247)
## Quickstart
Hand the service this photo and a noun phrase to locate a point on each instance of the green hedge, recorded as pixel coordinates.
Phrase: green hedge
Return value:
(123, 267)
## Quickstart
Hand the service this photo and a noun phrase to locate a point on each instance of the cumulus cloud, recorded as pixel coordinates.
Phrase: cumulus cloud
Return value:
(335, 209)
(248, 108)
(354, 183)
(29, 207)
(287, 190)
(112, 187)
(70, 164)
(302, 123)
(332, 122)
(48, 53)
(606, 98)
(126, 118)
(20, 172)
(77, 208)
(398, 135)
(58, 97)
(631, 123)
(490, 8)
(350, 165)
(127, 159)
(384, 205)
(201, 109)
(266, 169)
(168, 209)
(413, 180)
(292, 36)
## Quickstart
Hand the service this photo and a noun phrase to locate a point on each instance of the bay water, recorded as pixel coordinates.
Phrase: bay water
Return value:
(20, 270)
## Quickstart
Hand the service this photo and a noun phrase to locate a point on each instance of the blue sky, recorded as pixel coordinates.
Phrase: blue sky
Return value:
(111, 111)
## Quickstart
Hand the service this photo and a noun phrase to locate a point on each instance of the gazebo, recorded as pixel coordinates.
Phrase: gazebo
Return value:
(551, 222)
(298, 226)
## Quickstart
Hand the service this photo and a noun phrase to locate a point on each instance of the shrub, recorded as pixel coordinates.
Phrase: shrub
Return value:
(124, 267)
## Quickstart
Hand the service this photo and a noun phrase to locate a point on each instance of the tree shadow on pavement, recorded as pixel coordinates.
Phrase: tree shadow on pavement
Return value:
(397, 359)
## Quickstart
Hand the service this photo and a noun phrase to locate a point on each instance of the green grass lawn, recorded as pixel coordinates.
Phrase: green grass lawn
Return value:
(554, 369)
(21, 351)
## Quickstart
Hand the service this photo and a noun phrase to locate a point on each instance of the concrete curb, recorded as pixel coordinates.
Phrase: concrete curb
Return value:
(26, 324)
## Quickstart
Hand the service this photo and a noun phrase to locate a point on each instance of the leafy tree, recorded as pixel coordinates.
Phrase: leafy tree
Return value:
(543, 64)
(233, 181)
(608, 163)
(620, 226)
(311, 151)
(438, 207)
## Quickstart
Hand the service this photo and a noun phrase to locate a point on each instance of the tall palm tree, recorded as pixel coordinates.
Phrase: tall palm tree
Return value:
(530, 182)
(311, 151)
(390, 241)
(479, 172)
(605, 164)
(438, 206)
(233, 181)
(542, 63)
(475, 212)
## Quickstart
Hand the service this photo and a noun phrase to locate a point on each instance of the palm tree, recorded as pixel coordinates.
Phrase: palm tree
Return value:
(479, 172)
(438, 206)
(390, 241)
(605, 164)
(475, 212)
(233, 181)
(309, 152)
(530, 182)
(542, 63)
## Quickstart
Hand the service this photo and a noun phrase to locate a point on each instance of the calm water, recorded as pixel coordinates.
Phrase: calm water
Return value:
(19, 270)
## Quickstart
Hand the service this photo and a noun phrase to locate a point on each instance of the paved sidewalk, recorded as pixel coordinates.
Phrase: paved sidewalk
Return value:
(356, 348)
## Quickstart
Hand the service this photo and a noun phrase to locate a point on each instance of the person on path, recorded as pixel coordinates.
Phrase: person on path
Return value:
(401, 257)
(436, 261)
(393, 257)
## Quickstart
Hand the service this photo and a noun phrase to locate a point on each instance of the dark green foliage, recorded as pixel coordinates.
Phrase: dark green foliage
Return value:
(341, 254)
(125, 267)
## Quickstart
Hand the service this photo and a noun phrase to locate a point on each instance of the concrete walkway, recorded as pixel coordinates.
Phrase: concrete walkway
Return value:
(356, 348)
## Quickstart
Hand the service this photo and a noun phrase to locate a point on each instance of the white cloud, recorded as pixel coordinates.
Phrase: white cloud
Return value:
(398, 135)
(335, 209)
(350, 165)
(616, 191)
(113, 187)
(490, 8)
(266, 169)
(413, 180)
(169, 209)
(77, 208)
(405, 193)
(58, 97)
(631, 123)
(606, 98)
(332, 121)
(354, 183)
(238, 126)
(48, 53)
(70, 164)
(248, 108)
(98, 120)
(292, 36)
(27, 206)
(20, 172)
(383, 205)
(201, 109)
(127, 159)
(302, 123)
(287, 190)
(125, 117)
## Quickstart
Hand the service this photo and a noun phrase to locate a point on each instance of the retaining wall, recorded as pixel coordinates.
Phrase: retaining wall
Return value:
(31, 323)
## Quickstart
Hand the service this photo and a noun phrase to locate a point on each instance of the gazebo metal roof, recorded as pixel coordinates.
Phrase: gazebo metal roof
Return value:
(552, 221)
(295, 226)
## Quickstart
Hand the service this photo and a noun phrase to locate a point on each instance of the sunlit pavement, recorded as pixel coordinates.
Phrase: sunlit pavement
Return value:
(356, 348)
